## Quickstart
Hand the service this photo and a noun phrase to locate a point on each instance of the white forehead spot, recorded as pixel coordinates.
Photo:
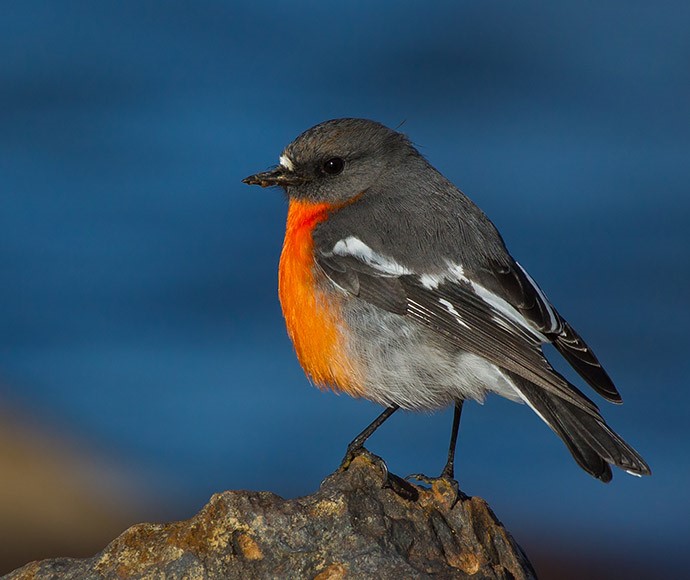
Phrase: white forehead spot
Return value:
(352, 246)
(286, 162)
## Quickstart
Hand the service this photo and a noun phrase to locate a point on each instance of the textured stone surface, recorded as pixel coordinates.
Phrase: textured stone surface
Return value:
(352, 527)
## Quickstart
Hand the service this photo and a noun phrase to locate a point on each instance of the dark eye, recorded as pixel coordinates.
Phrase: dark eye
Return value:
(334, 166)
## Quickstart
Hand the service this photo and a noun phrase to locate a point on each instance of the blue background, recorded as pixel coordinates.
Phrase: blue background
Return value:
(138, 306)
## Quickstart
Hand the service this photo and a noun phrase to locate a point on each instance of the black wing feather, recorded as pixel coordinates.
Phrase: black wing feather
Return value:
(511, 282)
(584, 361)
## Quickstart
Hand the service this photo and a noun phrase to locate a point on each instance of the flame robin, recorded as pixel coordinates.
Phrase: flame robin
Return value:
(397, 288)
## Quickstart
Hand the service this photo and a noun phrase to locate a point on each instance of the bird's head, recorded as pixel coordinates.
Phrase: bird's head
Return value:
(337, 160)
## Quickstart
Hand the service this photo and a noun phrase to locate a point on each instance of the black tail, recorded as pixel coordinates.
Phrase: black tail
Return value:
(591, 441)
(583, 360)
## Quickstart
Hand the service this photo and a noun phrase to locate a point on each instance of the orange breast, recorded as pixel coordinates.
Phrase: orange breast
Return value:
(313, 321)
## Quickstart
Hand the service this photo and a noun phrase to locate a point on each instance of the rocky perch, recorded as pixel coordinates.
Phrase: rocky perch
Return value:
(354, 526)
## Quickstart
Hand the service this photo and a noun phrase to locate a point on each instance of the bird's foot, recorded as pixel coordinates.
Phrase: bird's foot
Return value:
(354, 451)
(391, 481)
(445, 485)
(401, 487)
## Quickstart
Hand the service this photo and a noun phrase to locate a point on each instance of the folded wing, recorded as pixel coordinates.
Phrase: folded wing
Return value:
(501, 315)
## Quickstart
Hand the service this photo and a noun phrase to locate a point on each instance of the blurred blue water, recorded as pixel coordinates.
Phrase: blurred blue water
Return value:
(138, 307)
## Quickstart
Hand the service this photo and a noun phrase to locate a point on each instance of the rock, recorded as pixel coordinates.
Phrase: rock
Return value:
(352, 527)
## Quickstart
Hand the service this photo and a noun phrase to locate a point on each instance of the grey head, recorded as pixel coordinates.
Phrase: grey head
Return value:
(337, 160)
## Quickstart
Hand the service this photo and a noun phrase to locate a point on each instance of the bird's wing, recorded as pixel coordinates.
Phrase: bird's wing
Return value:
(443, 230)
(454, 304)
(510, 281)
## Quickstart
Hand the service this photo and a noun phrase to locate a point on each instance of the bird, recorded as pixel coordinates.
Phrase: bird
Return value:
(396, 288)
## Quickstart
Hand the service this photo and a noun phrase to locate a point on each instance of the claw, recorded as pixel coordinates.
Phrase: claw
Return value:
(440, 485)
(390, 480)
(350, 455)
(397, 484)
(384, 468)
(401, 487)
(421, 477)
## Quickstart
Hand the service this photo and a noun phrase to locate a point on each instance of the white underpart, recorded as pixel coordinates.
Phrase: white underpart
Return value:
(552, 315)
(487, 374)
(403, 367)
(352, 246)
(286, 162)
(451, 309)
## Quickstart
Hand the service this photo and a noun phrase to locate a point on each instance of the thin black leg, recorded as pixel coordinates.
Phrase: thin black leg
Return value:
(448, 473)
(358, 442)
(449, 469)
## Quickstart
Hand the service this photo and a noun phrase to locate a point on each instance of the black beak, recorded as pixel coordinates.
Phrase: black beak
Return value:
(278, 176)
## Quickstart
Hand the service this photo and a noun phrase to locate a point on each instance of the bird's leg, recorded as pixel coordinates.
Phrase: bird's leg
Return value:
(357, 444)
(449, 469)
(448, 472)
(398, 485)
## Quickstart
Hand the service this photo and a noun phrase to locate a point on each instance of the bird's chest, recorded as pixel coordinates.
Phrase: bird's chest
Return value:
(312, 311)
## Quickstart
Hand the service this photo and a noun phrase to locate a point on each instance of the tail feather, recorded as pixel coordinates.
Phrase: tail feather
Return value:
(570, 344)
(586, 455)
(592, 443)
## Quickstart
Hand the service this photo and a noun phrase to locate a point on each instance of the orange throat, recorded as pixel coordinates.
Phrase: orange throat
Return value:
(313, 318)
